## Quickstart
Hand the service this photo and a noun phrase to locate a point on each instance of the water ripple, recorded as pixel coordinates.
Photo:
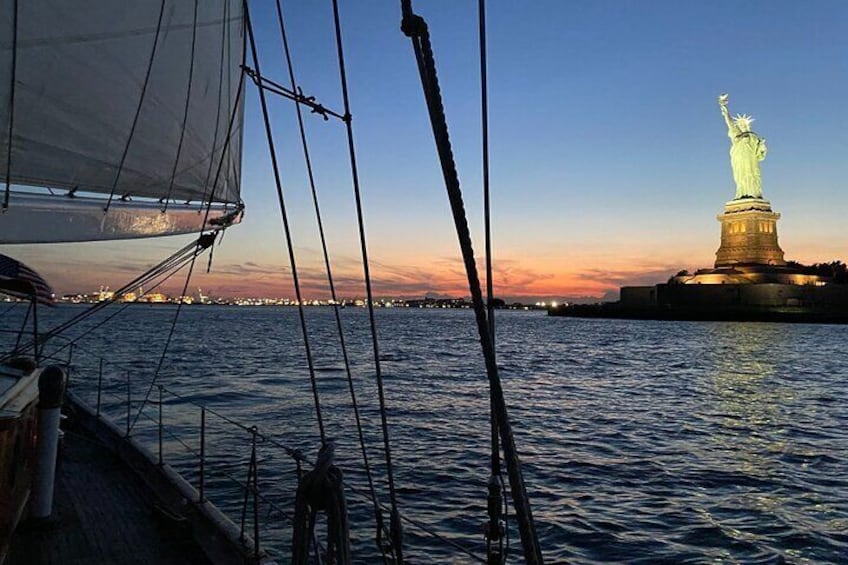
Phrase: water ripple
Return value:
(641, 442)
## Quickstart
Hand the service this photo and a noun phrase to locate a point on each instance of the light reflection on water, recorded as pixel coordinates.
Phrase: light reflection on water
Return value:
(640, 441)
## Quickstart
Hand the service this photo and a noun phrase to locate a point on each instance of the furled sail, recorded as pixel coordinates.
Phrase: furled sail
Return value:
(121, 100)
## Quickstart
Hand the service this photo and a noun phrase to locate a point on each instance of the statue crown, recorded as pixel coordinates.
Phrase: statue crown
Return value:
(743, 120)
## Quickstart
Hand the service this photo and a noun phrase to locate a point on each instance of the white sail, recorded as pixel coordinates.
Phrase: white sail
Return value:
(122, 99)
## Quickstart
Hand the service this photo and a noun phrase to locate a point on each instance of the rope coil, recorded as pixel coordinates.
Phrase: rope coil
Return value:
(321, 490)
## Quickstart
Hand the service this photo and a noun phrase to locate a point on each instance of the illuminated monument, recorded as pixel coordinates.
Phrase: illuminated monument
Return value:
(748, 225)
(749, 252)
(750, 279)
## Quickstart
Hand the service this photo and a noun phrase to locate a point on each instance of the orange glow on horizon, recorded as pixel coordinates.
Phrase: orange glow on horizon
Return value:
(513, 278)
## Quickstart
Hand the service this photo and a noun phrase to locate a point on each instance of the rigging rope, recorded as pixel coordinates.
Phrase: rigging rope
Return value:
(185, 110)
(331, 283)
(496, 528)
(203, 242)
(225, 41)
(295, 95)
(395, 528)
(12, 79)
(224, 36)
(164, 266)
(173, 263)
(321, 489)
(170, 336)
(138, 108)
(74, 342)
(286, 230)
(416, 29)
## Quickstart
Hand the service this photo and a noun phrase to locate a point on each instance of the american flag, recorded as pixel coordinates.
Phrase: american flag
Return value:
(18, 280)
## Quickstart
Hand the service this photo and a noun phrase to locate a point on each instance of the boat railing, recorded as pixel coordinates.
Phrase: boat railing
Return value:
(113, 399)
(233, 476)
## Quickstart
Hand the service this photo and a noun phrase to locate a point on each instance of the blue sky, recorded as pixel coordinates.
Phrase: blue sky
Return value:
(609, 154)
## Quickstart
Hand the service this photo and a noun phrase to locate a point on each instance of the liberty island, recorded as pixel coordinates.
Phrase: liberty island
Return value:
(750, 279)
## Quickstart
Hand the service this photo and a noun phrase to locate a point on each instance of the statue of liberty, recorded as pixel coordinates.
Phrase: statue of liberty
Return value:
(747, 149)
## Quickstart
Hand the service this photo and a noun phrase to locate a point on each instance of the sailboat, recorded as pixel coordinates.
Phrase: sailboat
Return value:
(123, 121)
(102, 141)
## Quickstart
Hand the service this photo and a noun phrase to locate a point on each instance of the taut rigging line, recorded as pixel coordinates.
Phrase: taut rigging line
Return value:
(309, 102)
(415, 28)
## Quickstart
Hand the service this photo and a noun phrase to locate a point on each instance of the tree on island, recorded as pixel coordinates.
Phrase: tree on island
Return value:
(836, 271)
(498, 303)
(675, 279)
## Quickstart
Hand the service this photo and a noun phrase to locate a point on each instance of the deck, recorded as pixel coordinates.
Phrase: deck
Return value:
(102, 513)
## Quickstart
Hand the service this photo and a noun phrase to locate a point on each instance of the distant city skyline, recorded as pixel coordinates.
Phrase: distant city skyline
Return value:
(609, 154)
(155, 293)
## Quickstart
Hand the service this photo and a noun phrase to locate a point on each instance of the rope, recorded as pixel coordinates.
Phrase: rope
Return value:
(170, 335)
(226, 146)
(73, 342)
(395, 530)
(416, 29)
(321, 489)
(203, 242)
(9, 309)
(295, 454)
(330, 281)
(284, 215)
(295, 95)
(174, 263)
(224, 37)
(185, 110)
(168, 264)
(251, 487)
(16, 351)
(496, 526)
(138, 108)
(11, 103)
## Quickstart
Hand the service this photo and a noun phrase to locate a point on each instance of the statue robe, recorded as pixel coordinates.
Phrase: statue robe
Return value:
(746, 152)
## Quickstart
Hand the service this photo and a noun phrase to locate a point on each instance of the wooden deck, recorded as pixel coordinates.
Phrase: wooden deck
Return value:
(102, 514)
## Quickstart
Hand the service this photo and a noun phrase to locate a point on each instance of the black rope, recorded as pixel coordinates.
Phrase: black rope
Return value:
(484, 110)
(170, 334)
(74, 342)
(232, 158)
(185, 110)
(166, 265)
(330, 280)
(286, 230)
(294, 454)
(224, 37)
(11, 103)
(225, 47)
(203, 242)
(170, 271)
(416, 29)
(396, 533)
(224, 150)
(294, 94)
(173, 266)
(494, 531)
(16, 350)
(138, 108)
(9, 309)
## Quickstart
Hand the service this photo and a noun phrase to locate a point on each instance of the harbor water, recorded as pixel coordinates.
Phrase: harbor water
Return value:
(640, 441)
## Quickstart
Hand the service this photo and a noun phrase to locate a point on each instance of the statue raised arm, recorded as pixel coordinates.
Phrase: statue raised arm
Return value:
(732, 130)
(747, 149)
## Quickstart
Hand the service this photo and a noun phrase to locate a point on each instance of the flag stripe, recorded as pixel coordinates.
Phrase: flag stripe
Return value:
(16, 271)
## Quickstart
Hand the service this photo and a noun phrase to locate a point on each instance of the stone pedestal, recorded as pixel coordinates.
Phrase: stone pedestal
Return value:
(748, 234)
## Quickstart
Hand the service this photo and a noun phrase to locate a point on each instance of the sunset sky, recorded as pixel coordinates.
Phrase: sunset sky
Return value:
(609, 156)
